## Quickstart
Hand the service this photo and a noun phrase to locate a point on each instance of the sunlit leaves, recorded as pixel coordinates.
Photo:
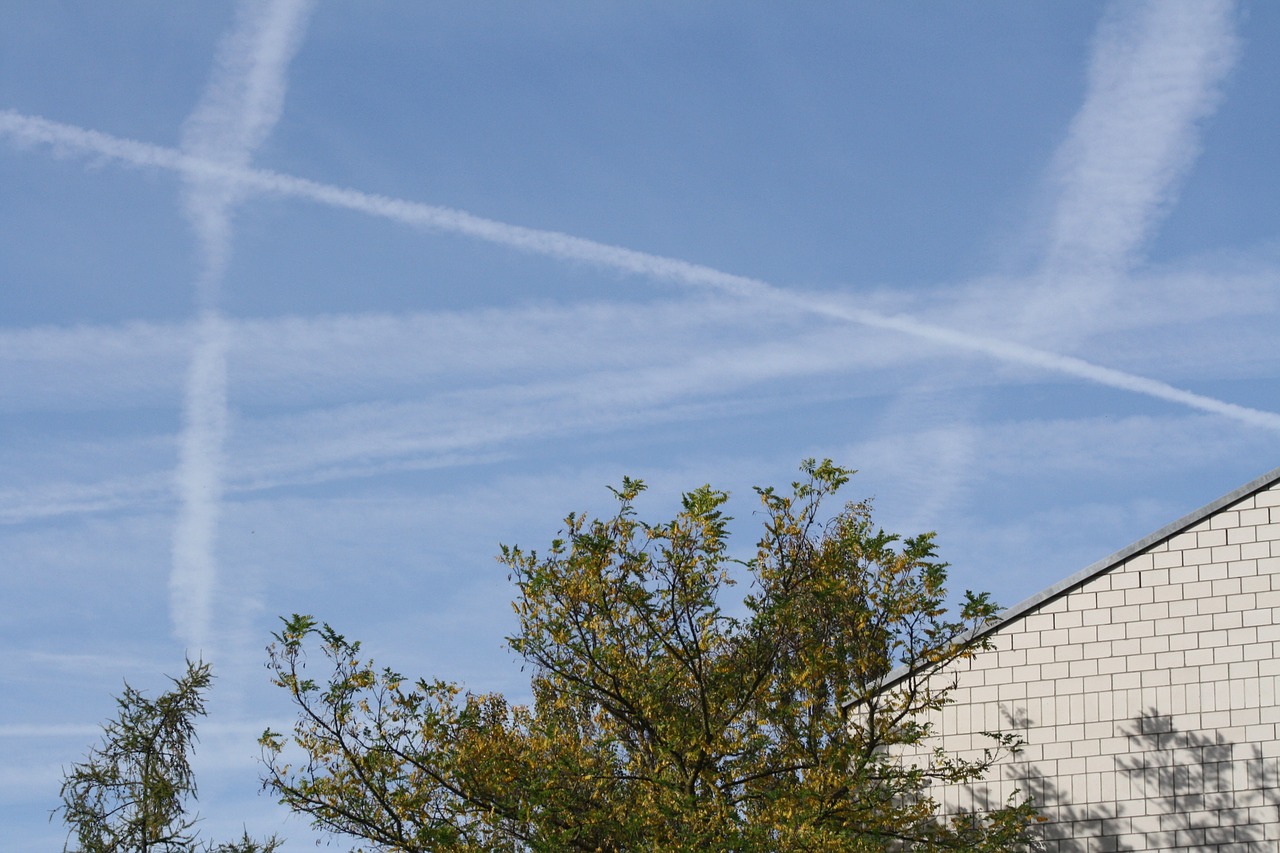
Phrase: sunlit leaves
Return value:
(658, 721)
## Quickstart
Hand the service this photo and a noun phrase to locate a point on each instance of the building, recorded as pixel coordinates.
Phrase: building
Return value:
(1145, 687)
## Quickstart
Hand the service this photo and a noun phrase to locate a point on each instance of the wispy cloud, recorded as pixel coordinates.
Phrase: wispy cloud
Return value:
(240, 105)
(1089, 464)
(1161, 320)
(568, 247)
(50, 500)
(481, 414)
(447, 425)
(1156, 74)
(69, 730)
(81, 730)
(199, 481)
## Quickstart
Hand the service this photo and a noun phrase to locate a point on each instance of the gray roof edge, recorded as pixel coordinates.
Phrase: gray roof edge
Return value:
(1107, 563)
(1091, 571)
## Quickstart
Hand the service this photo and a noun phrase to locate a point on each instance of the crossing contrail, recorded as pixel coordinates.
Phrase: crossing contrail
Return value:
(236, 112)
(69, 139)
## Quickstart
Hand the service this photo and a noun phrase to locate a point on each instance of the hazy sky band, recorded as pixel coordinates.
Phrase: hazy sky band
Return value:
(32, 129)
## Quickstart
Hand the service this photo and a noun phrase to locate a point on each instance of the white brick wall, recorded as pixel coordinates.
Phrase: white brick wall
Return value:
(1147, 696)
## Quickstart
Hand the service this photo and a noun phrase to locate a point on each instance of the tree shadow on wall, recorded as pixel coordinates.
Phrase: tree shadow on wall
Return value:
(1172, 790)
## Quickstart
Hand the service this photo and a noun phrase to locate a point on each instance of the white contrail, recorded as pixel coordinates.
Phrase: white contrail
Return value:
(33, 130)
(199, 482)
(240, 105)
(1156, 74)
(1156, 71)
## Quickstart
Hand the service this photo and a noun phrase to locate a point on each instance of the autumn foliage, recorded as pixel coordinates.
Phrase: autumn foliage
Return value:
(659, 721)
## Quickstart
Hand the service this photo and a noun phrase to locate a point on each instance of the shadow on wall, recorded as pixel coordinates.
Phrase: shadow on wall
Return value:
(1171, 790)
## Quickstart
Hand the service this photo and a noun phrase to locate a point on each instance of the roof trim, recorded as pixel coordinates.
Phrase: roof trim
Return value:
(1106, 564)
(1091, 571)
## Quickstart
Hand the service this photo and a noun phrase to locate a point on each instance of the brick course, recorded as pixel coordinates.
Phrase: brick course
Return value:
(1146, 691)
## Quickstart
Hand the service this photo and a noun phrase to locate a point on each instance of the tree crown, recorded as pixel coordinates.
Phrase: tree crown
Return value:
(658, 721)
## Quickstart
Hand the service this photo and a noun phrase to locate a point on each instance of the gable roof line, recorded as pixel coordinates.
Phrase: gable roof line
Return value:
(1106, 564)
(1110, 562)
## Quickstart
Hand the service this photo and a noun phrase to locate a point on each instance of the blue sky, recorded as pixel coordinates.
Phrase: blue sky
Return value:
(308, 307)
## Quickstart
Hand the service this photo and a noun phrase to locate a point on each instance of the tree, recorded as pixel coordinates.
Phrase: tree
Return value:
(659, 721)
(131, 795)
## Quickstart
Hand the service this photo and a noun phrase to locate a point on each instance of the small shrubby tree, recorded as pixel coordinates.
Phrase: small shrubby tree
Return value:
(131, 794)
(658, 720)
